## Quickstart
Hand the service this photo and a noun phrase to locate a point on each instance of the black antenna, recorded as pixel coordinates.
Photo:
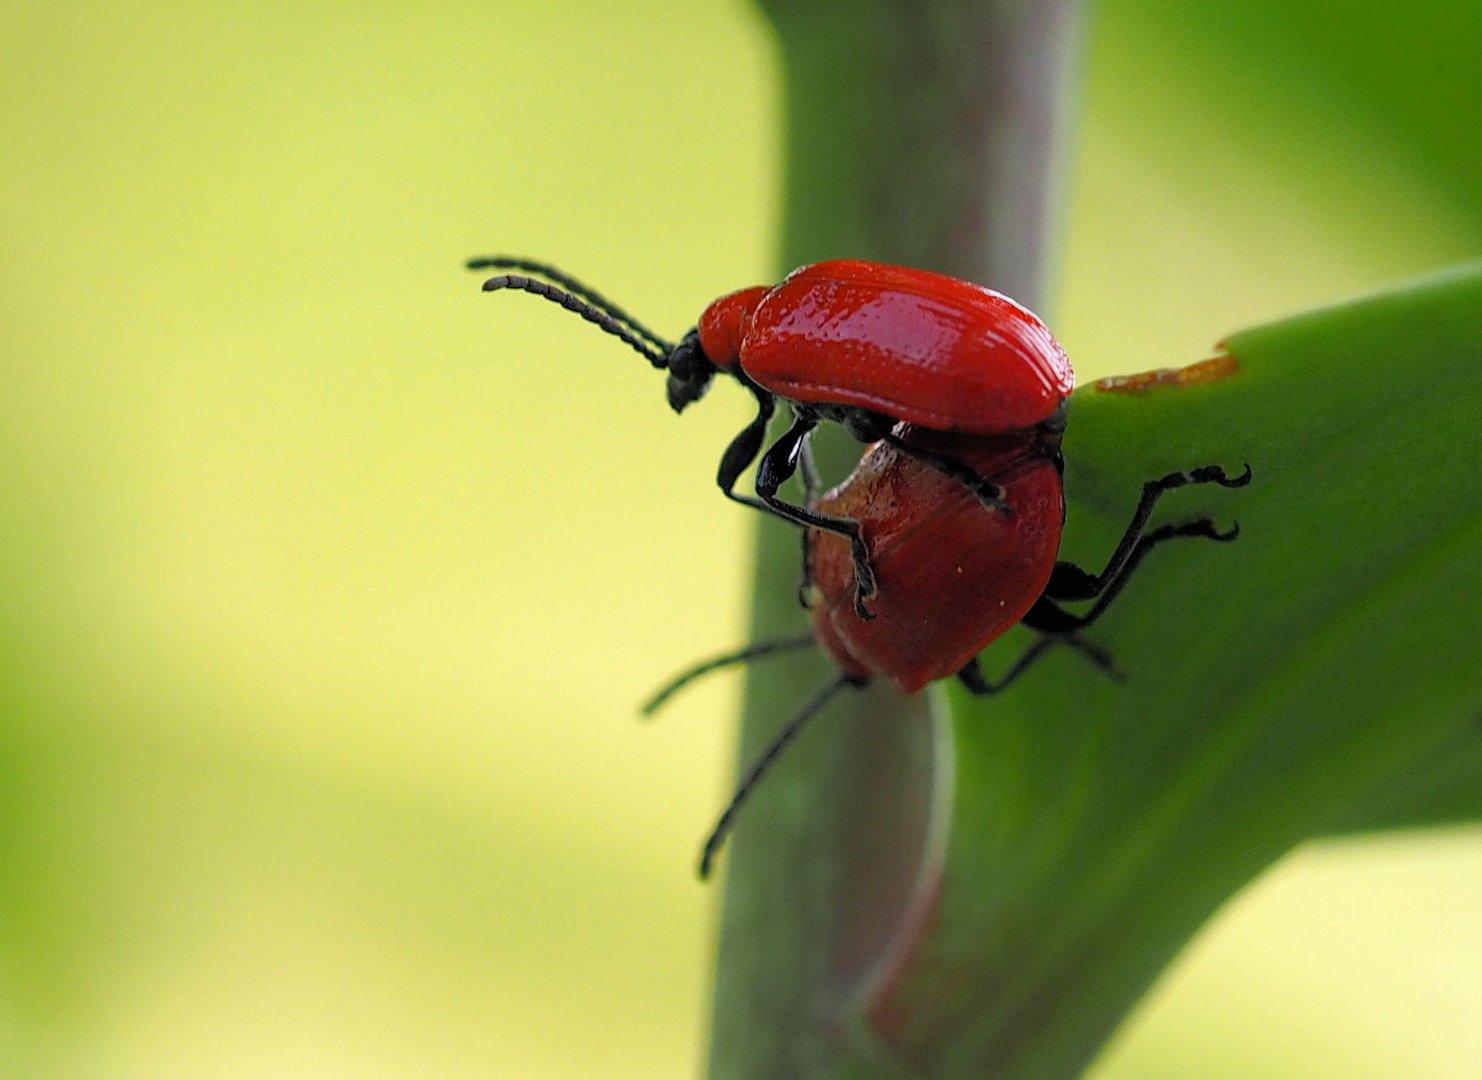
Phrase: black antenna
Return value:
(811, 708)
(752, 652)
(571, 285)
(572, 302)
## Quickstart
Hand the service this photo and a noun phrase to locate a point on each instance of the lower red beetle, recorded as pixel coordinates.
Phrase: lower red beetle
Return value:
(865, 344)
(955, 572)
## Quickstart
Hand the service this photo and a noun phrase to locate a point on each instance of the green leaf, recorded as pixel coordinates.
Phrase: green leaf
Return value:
(1317, 675)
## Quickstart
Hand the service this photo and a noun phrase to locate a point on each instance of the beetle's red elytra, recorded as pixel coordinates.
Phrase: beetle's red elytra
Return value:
(908, 344)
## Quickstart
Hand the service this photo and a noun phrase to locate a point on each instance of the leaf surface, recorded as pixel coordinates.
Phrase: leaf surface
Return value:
(1317, 675)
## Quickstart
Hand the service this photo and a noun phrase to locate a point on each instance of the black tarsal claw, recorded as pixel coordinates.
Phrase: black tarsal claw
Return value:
(1216, 475)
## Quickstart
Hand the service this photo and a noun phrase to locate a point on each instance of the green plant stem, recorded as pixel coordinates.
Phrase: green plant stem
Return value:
(919, 133)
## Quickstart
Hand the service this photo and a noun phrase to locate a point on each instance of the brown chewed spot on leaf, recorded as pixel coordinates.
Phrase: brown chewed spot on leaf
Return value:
(1205, 371)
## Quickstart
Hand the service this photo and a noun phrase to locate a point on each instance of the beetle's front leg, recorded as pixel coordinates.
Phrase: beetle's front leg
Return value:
(778, 464)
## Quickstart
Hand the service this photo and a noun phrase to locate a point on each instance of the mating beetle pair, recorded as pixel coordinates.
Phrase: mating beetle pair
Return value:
(948, 531)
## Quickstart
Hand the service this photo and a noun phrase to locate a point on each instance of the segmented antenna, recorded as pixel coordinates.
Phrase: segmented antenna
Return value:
(571, 285)
(811, 708)
(755, 651)
(572, 302)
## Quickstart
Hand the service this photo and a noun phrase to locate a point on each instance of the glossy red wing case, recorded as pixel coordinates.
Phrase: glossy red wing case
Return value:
(910, 344)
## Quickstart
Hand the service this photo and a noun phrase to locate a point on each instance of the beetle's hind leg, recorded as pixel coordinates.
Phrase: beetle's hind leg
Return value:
(988, 493)
(1069, 582)
(972, 677)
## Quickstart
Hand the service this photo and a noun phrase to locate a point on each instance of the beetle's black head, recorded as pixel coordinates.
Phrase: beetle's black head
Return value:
(690, 372)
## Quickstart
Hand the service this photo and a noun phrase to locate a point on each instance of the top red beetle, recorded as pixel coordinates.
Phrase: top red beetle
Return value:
(865, 344)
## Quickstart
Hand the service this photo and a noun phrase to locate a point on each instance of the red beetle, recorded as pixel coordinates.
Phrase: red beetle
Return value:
(865, 344)
(954, 574)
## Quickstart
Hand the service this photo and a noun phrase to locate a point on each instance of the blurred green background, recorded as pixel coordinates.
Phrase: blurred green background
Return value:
(330, 584)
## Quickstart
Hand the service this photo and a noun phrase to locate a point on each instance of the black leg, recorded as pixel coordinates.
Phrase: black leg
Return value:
(989, 493)
(778, 465)
(744, 449)
(1071, 582)
(755, 651)
(1048, 616)
(788, 455)
(811, 708)
(971, 675)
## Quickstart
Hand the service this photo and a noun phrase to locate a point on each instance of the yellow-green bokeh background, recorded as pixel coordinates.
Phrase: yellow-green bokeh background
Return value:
(329, 584)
